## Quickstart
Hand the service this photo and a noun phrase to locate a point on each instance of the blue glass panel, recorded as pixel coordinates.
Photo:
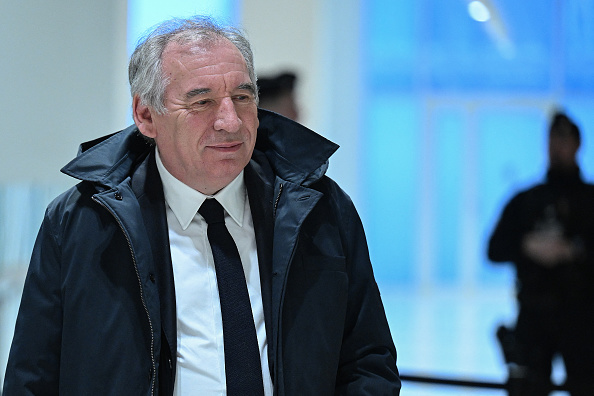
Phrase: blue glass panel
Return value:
(391, 44)
(391, 145)
(449, 130)
(578, 45)
(512, 147)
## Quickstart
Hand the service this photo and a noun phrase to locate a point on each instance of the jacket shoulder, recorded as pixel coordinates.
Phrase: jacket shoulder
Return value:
(68, 205)
(71, 197)
(332, 191)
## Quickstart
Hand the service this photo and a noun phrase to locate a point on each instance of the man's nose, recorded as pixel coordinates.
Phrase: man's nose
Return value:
(227, 118)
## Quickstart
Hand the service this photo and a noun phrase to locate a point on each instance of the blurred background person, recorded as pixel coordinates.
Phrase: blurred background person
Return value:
(547, 232)
(277, 93)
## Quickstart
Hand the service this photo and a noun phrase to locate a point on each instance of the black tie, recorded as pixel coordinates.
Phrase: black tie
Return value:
(242, 357)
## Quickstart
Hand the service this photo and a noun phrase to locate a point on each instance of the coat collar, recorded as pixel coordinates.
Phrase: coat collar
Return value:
(295, 153)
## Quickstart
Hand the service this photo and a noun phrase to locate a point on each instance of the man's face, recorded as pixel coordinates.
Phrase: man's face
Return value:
(563, 148)
(208, 133)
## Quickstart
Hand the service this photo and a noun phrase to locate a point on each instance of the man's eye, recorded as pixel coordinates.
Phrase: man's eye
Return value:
(242, 98)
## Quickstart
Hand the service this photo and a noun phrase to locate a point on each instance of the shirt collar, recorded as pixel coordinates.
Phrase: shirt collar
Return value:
(184, 201)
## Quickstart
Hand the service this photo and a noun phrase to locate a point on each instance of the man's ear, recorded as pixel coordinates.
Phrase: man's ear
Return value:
(143, 118)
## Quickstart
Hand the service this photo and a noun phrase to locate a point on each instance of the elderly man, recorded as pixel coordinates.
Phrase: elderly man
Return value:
(204, 252)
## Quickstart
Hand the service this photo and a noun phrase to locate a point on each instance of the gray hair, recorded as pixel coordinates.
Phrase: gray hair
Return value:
(145, 71)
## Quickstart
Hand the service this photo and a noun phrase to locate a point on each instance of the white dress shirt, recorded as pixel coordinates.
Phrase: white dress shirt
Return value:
(200, 352)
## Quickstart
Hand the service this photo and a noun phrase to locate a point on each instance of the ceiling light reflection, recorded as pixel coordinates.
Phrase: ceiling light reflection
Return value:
(478, 11)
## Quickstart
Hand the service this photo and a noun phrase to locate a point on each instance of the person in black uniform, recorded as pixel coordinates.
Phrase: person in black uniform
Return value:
(547, 232)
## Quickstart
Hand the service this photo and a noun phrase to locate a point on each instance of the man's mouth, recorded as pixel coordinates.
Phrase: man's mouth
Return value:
(226, 147)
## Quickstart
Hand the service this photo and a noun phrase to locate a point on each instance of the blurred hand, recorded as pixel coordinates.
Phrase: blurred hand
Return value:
(547, 248)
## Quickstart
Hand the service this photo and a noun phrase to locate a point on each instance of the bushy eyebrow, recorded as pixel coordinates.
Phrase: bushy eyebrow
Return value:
(196, 92)
(201, 91)
(248, 87)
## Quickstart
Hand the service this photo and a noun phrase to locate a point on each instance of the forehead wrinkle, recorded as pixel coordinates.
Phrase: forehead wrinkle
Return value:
(180, 64)
(228, 84)
(190, 62)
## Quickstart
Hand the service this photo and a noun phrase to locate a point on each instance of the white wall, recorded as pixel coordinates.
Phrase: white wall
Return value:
(318, 40)
(63, 68)
(285, 35)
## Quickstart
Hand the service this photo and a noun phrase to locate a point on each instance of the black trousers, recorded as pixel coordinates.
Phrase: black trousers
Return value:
(544, 331)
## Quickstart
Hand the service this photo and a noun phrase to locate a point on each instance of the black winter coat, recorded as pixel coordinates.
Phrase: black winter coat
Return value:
(97, 315)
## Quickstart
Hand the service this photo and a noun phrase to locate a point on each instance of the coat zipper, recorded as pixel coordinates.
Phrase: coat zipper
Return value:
(280, 314)
(154, 369)
(282, 297)
(280, 191)
(275, 363)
